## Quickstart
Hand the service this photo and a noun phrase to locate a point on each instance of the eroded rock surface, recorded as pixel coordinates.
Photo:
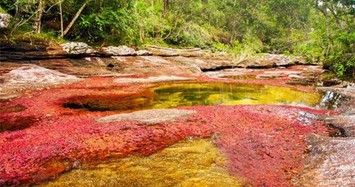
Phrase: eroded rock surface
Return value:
(119, 50)
(33, 76)
(54, 138)
(152, 116)
(168, 52)
(331, 162)
(151, 79)
(266, 61)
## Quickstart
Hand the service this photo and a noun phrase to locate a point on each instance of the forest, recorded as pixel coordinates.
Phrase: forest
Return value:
(318, 30)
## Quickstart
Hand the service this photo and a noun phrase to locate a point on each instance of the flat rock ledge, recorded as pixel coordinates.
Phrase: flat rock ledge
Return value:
(151, 79)
(331, 163)
(32, 76)
(268, 61)
(152, 116)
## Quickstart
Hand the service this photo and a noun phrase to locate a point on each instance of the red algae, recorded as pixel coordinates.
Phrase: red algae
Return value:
(262, 143)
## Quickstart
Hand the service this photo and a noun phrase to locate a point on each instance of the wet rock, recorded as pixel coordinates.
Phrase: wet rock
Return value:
(151, 79)
(266, 61)
(331, 162)
(119, 51)
(4, 20)
(150, 116)
(77, 48)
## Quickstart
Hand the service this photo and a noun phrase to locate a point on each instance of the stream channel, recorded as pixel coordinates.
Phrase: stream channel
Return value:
(191, 162)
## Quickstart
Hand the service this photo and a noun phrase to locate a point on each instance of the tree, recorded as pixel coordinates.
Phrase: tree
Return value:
(74, 19)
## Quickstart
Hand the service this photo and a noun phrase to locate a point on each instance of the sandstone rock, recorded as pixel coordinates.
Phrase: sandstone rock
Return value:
(143, 53)
(33, 76)
(7, 97)
(169, 52)
(151, 79)
(345, 122)
(331, 163)
(76, 48)
(119, 51)
(301, 80)
(149, 116)
(153, 66)
(266, 61)
(268, 76)
(159, 51)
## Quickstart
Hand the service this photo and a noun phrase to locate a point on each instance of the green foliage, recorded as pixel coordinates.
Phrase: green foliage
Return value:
(319, 30)
(2, 10)
(109, 25)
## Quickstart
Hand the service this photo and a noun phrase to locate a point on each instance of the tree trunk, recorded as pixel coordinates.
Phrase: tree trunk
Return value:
(166, 4)
(74, 19)
(61, 19)
(37, 21)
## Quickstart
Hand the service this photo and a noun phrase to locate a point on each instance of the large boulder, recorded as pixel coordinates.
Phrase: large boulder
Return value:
(4, 20)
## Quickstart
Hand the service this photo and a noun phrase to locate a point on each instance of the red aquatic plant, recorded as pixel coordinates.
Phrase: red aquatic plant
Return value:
(264, 144)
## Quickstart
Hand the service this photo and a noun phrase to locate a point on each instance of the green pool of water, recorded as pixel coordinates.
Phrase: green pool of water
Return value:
(195, 94)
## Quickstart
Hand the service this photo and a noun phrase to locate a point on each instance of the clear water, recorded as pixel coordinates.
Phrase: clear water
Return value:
(195, 94)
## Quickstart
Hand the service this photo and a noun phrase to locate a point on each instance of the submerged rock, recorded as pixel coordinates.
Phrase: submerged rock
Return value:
(150, 116)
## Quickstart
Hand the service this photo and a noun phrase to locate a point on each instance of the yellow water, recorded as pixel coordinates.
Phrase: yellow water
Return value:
(193, 94)
(188, 163)
(174, 95)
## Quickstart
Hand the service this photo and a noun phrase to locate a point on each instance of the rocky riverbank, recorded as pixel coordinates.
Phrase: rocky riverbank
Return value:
(57, 114)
